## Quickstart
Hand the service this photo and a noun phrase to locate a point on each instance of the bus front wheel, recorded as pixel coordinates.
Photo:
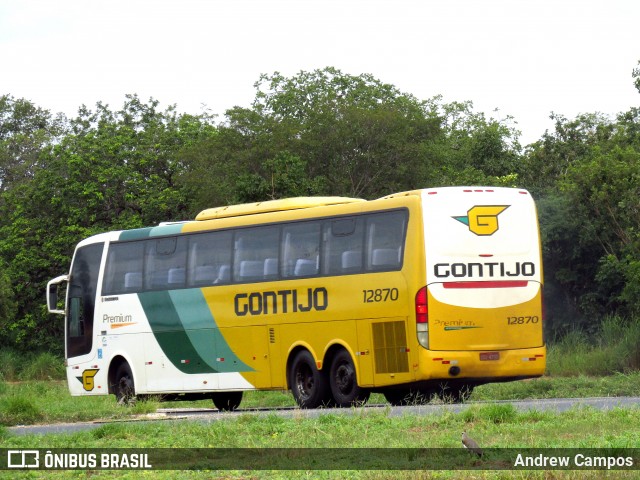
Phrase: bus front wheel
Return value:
(124, 388)
(309, 385)
(227, 401)
(344, 383)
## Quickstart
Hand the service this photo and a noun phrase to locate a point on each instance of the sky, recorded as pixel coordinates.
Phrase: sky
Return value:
(519, 58)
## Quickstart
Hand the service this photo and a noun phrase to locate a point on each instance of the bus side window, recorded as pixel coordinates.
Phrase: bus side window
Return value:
(166, 263)
(301, 249)
(209, 258)
(253, 247)
(343, 246)
(124, 268)
(385, 239)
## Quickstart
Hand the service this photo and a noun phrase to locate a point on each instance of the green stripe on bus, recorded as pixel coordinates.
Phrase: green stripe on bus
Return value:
(166, 230)
(203, 332)
(136, 234)
(170, 334)
(187, 333)
(142, 233)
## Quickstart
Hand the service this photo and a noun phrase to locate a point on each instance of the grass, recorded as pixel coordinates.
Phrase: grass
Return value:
(493, 426)
(616, 385)
(615, 348)
(33, 402)
(606, 364)
(17, 366)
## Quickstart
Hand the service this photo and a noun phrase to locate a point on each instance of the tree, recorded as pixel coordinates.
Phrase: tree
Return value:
(354, 131)
(605, 193)
(549, 159)
(470, 149)
(281, 177)
(112, 170)
(8, 305)
(586, 174)
(341, 134)
(24, 131)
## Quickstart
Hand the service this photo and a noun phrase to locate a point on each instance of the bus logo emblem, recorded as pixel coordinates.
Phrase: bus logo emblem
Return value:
(483, 219)
(87, 378)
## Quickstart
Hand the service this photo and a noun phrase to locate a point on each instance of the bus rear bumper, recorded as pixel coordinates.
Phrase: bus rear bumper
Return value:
(482, 366)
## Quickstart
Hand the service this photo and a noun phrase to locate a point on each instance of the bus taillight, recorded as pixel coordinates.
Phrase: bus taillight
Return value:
(422, 317)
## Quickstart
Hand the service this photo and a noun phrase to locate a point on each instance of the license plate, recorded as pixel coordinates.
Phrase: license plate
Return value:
(490, 356)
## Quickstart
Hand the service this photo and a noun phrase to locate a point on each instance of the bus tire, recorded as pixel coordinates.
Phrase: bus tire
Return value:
(344, 383)
(309, 385)
(227, 401)
(124, 387)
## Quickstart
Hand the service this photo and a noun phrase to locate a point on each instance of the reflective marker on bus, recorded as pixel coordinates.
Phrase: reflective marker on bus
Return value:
(421, 293)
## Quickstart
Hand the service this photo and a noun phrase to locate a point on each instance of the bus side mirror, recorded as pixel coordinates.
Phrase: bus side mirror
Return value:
(52, 294)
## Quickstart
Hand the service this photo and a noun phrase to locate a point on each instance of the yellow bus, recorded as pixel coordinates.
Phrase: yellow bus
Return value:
(418, 293)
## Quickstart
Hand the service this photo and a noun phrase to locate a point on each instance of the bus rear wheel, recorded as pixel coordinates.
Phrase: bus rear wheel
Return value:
(227, 401)
(309, 385)
(344, 383)
(124, 388)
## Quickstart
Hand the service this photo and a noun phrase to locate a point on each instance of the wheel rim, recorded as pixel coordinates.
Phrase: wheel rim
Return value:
(304, 381)
(344, 378)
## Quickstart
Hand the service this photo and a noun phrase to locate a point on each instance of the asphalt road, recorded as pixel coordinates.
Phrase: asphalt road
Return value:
(212, 415)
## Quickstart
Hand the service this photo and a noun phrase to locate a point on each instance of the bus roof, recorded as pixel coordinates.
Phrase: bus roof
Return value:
(272, 206)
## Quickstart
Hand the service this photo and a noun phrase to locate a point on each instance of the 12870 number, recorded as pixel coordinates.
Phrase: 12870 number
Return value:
(380, 295)
(522, 320)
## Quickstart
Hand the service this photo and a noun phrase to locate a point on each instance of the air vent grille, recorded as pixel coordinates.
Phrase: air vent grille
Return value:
(390, 347)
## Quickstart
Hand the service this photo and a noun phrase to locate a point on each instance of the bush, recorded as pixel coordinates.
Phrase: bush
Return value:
(9, 362)
(16, 366)
(19, 410)
(44, 366)
(613, 348)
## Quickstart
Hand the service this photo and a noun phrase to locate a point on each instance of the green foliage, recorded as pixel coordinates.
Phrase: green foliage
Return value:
(15, 365)
(326, 132)
(495, 413)
(320, 132)
(586, 174)
(471, 149)
(19, 410)
(281, 177)
(8, 305)
(111, 170)
(613, 347)
(25, 130)
(42, 366)
(9, 365)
